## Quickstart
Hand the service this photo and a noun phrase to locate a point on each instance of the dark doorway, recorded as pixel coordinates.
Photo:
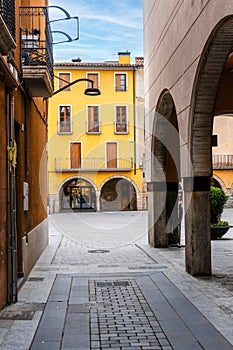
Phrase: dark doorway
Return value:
(78, 195)
(118, 194)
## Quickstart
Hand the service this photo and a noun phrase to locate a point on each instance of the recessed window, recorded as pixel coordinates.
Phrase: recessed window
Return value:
(121, 120)
(64, 119)
(93, 123)
(120, 82)
(64, 79)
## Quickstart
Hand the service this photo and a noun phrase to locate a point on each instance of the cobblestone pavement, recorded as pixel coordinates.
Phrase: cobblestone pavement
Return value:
(99, 285)
(121, 317)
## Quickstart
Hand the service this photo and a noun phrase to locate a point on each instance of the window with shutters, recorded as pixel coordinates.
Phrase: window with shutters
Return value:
(94, 77)
(64, 79)
(121, 122)
(120, 82)
(64, 122)
(93, 122)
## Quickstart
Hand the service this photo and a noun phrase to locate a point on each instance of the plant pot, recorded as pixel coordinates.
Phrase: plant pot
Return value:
(218, 231)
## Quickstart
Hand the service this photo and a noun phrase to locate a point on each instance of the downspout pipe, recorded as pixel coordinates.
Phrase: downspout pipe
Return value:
(12, 231)
(134, 120)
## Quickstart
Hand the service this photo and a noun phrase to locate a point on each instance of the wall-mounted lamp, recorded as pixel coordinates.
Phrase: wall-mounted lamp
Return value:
(91, 91)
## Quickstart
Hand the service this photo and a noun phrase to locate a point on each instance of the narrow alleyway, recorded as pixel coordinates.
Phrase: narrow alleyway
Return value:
(100, 286)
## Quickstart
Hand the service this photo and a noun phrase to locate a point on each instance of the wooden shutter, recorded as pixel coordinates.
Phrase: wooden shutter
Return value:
(93, 119)
(94, 77)
(118, 82)
(75, 155)
(90, 118)
(111, 155)
(62, 83)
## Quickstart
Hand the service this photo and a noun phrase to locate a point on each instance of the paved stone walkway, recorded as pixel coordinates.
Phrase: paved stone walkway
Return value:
(113, 291)
(145, 312)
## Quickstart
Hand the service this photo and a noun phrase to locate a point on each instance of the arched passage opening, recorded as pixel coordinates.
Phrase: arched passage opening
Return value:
(78, 194)
(118, 194)
(211, 96)
(163, 190)
(215, 183)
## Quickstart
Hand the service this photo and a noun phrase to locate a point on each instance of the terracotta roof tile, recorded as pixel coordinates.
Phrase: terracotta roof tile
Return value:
(95, 64)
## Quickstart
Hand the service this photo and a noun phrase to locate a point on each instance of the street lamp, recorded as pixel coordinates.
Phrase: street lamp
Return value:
(91, 91)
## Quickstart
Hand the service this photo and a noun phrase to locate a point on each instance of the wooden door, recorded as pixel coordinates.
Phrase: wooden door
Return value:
(75, 155)
(111, 155)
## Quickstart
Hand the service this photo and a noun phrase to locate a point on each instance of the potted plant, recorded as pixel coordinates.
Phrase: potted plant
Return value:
(218, 199)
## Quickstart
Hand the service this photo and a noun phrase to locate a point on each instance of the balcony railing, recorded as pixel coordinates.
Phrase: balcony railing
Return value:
(36, 50)
(222, 161)
(93, 164)
(7, 25)
(7, 11)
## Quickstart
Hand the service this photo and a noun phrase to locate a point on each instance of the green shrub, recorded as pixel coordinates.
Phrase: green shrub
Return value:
(217, 201)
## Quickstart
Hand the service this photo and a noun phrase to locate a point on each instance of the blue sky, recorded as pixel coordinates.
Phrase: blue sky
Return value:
(105, 28)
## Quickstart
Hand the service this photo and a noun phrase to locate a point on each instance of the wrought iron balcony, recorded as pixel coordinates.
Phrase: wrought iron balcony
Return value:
(7, 26)
(36, 51)
(92, 164)
(222, 161)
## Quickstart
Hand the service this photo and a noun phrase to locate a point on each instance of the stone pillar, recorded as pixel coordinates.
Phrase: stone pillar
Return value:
(51, 203)
(158, 237)
(197, 225)
(172, 212)
(139, 201)
(98, 200)
(56, 204)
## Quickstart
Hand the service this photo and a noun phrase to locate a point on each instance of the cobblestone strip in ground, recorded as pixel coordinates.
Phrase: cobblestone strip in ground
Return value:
(122, 319)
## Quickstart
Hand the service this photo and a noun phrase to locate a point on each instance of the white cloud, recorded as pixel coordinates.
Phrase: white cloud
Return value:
(106, 27)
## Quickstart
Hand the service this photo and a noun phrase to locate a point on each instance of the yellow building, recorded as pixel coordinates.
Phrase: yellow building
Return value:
(96, 142)
(222, 155)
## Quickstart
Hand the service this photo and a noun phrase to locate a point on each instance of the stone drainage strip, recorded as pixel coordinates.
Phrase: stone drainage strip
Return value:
(23, 312)
(121, 318)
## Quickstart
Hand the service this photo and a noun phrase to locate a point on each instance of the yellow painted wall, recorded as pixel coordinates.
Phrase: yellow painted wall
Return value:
(226, 176)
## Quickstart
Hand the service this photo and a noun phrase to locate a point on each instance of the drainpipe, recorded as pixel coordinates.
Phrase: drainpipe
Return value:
(134, 120)
(11, 219)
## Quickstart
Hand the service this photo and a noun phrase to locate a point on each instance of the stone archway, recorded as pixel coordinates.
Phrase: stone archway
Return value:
(207, 100)
(77, 193)
(163, 190)
(217, 182)
(118, 193)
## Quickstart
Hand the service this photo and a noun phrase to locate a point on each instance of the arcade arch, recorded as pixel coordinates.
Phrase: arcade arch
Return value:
(118, 193)
(77, 193)
(163, 190)
(210, 97)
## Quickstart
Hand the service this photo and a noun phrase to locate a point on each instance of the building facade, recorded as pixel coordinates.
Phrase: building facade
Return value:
(25, 79)
(222, 157)
(188, 83)
(96, 142)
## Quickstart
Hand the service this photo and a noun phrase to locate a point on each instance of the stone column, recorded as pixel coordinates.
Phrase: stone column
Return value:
(139, 201)
(158, 237)
(172, 212)
(98, 200)
(197, 225)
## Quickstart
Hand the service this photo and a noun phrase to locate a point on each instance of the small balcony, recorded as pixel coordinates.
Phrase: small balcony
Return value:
(7, 26)
(93, 164)
(36, 51)
(222, 161)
